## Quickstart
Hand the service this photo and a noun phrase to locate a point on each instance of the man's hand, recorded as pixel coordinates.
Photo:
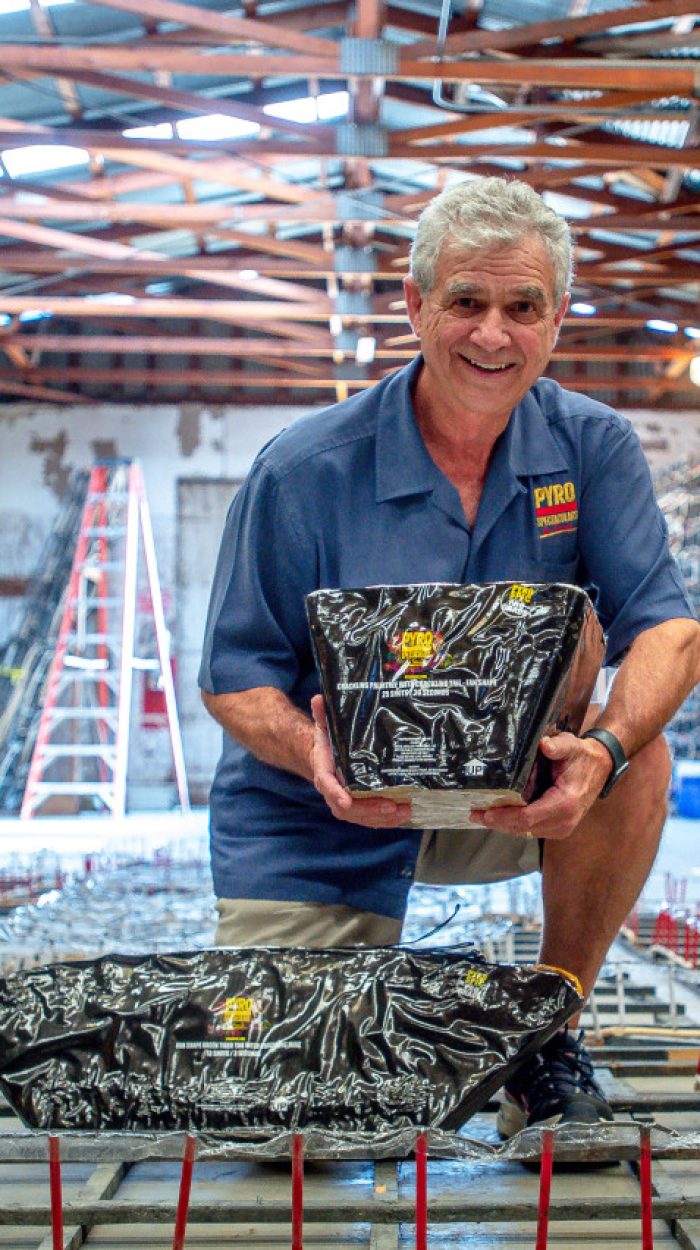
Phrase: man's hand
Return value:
(372, 813)
(580, 768)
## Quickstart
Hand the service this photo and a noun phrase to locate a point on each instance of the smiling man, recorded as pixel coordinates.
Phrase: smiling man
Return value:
(466, 466)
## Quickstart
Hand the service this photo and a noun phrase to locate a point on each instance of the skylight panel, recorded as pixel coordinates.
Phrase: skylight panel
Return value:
(40, 158)
(311, 108)
(20, 6)
(112, 297)
(216, 126)
(163, 130)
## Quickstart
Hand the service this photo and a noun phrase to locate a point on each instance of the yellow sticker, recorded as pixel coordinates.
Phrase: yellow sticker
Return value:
(523, 593)
(476, 978)
(238, 1011)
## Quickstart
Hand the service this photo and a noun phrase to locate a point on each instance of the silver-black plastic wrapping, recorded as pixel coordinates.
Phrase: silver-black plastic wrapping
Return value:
(443, 687)
(248, 1043)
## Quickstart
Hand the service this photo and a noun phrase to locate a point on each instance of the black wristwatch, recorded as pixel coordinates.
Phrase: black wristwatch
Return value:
(614, 747)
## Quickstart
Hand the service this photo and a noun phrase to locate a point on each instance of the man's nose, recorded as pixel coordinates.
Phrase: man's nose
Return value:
(490, 331)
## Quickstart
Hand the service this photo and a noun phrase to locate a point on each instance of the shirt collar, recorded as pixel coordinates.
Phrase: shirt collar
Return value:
(404, 466)
(531, 448)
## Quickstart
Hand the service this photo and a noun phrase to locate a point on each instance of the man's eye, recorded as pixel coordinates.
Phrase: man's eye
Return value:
(525, 309)
(466, 301)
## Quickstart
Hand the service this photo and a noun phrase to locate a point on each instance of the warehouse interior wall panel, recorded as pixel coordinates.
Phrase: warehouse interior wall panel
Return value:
(202, 505)
(192, 457)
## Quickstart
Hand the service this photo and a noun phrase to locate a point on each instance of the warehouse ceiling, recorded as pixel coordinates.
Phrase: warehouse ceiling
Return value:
(214, 202)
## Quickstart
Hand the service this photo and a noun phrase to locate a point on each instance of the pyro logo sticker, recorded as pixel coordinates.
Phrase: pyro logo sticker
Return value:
(235, 1016)
(517, 600)
(556, 509)
(413, 653)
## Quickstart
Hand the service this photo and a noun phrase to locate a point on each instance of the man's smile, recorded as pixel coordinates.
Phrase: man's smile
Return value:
(483, 367)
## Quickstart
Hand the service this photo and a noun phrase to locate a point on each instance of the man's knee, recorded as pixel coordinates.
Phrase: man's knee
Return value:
(649, 774)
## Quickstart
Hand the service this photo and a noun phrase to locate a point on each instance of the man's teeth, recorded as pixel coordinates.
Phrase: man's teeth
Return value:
(489, 368)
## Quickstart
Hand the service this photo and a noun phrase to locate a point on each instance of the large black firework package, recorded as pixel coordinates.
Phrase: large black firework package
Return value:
(248, 1043)
(441, 693)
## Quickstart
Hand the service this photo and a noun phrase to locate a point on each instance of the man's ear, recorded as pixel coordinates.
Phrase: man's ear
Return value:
(560, 314)
(414, 301)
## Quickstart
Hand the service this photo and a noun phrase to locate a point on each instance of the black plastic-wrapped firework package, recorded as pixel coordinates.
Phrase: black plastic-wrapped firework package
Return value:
(245, 1043)
(441, 693)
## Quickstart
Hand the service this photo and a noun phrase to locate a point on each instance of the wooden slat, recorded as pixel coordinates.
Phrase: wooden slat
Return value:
(174, 344)
(103, 1184)
(25, 390)
(210, 309)
(226, 379)
(664, 77)
(242, 29)
(191, 102)
(566, 29)
(350, 1210)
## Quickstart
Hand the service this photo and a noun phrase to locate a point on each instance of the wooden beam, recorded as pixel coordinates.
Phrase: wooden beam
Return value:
(566, 29)
(26, 390)
(615, 153)
(78, 242)
(173, 345)
(595, 109)
(196, 216)
(13, 587)
(160, 158)
(160, 344)
(232, 29)
(192, 102)
(234, 311)
(43, 25)
(226, 263)
(663, 77)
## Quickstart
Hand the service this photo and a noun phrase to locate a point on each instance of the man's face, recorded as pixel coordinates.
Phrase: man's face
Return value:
(487, 328)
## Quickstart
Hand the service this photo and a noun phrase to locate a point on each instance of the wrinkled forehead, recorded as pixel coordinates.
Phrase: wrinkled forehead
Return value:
(524, 263)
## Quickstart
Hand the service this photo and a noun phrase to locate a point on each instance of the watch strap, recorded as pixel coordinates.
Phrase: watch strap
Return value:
(616, 752)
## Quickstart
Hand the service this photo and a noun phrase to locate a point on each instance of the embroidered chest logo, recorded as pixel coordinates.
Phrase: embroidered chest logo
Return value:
(556, 509)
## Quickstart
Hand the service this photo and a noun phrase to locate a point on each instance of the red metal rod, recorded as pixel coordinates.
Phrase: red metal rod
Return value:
(55, 1190)
(183, 1201)
(421, 1192)
(298, 1191)
(645, 1186)
(546, 1162)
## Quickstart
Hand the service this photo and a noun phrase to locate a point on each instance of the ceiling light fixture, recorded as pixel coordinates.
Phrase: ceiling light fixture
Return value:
(662, 327)
(364, 352)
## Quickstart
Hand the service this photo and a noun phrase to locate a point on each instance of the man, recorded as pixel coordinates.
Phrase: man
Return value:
(438, 473)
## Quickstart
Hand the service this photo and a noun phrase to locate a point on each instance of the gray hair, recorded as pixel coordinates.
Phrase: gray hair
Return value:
(485, 214)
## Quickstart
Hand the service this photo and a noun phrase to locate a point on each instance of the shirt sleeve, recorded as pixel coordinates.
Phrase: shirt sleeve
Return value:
(257, 632)
(623, 539)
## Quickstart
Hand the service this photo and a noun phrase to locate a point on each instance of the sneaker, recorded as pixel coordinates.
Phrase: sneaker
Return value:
(554, 1086)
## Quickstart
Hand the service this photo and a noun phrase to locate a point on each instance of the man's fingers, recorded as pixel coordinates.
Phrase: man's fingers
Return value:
(374, 813)
(318, 711)
(558, 746)
(550, 816)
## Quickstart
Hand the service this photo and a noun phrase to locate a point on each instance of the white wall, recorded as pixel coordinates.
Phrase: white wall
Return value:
(41, 445)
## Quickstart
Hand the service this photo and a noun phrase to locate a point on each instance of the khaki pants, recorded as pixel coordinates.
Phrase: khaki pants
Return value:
(446, 857)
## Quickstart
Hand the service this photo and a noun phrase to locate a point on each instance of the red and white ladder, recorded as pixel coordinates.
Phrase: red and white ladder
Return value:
(82, 744)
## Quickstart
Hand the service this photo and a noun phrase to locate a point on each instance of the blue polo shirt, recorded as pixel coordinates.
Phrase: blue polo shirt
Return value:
(351, 497)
